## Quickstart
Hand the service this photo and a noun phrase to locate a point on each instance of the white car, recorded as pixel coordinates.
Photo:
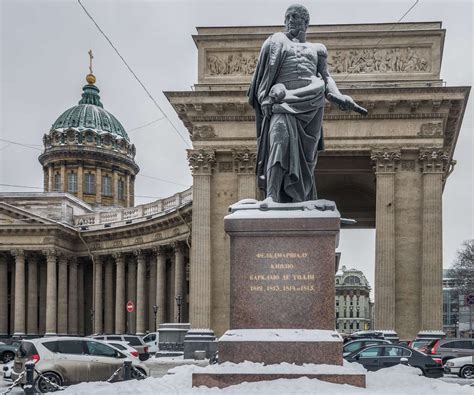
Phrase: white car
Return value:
(151, 339)
(463, 367)
(124, 347)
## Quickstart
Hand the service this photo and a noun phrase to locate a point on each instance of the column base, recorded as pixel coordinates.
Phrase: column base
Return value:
(19, 334)
(50, 334)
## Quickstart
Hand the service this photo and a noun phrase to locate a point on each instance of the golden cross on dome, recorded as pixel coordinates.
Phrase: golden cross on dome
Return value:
(90, 60)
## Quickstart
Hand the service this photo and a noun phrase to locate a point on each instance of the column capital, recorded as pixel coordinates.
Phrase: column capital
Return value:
(119, 257)
(50, 253)
(178, 246)
(18, 253)
(201, 161)
(140, 255)
(385, 160)
(159, 250)
(433, 160)
(244, 160)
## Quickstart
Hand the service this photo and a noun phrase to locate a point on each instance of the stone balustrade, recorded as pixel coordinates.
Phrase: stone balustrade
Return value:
(131, 213)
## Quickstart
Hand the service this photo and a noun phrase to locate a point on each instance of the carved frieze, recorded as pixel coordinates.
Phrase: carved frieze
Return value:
(431, 129)
(433, 160)
(244, 160)
(201, 161)
(382, 60)
(385, 160)
(231, 63)
(203, 132)
(352, 61)
(225, 167)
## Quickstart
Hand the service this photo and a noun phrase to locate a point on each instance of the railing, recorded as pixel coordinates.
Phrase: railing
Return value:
(130, 213)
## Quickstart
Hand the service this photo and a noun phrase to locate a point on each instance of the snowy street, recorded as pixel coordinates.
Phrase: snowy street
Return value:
(393, 381)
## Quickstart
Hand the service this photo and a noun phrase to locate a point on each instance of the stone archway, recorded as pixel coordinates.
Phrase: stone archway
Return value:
(387, 170)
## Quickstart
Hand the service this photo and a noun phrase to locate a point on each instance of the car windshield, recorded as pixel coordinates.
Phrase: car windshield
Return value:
(117, 345)
(419, 343)
(350, 347)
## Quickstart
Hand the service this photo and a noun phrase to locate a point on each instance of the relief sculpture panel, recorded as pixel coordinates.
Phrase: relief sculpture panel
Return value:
(353, 61)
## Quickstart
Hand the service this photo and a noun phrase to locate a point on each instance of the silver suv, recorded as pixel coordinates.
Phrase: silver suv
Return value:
(72, 360)
(447, 349)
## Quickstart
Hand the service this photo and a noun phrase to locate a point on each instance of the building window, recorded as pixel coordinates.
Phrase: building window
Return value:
(57, 182)
(89, 183)
(106, 186)
(337, 302)
(72, 182)
(121, 190)
(357, 325)
(337, 314)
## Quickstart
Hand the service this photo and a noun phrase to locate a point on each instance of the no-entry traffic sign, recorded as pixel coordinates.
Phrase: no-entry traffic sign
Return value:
(470, 299)
(130, 306)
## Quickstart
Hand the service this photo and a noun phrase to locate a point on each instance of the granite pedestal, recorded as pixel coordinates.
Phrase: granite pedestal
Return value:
(282, 274)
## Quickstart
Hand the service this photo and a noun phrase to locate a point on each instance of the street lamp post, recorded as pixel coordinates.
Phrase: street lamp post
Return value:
(155, 311)
(179, 302)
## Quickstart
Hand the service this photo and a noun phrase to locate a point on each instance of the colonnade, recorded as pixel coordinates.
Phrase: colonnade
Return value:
(53, 293)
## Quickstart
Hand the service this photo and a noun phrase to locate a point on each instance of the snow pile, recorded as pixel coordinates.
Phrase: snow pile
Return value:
(399, 380)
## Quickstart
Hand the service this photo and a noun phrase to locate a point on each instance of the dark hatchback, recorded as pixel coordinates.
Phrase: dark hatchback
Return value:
(387, 355)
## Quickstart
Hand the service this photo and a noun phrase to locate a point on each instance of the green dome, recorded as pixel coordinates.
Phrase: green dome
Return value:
(90, 114)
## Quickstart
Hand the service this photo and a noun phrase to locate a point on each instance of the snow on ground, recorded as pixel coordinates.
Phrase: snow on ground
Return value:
(398, 380)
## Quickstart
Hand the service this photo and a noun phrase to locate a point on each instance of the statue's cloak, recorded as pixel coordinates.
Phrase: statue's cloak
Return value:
(302, 121)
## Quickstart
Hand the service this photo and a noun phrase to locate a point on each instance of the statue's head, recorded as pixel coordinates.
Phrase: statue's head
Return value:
(296, 19)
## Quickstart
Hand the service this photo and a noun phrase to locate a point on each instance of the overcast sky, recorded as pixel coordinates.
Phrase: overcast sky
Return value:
(44, 60)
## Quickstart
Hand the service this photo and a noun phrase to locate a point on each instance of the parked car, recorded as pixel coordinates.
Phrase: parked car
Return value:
(387, 355)
(8, 350)
(391, 336)
(463, 367)
(364, 335)
(135, 341)
(124, 347)
(71, 360)
(7, 370)
(447, 349)
(356, 345)
(152, 339)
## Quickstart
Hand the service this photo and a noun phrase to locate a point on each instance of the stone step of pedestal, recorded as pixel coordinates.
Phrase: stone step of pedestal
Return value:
(222, 380)
(273, 346)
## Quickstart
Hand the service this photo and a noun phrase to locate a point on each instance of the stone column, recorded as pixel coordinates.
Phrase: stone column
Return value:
(50, 178)
(80, 181)
(434, 164)
(32, 321)
(201, 163)
(385, 165)
(109, 298)
(42, 271)
(62, 295)
(152, 294)
(178, 279)
(244, 166)
(51, 294)
(98, 297)
(98, 185)
(141, 271)
(80, 300)
(3, 295)
(160, 284)
(128, 191)
(132, 294)
(63, 178)
(115, 187)
(120, 311)
(20, 305)
(73, 298)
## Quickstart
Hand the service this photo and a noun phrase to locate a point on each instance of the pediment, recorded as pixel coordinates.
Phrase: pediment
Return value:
(11, 216)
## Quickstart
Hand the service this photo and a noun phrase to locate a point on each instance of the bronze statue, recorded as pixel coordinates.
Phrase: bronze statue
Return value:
(288, 91)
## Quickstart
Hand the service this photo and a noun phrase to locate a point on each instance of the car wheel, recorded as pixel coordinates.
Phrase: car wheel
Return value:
(7, 356)
(467, 372)
(137, 376)
(43, 386)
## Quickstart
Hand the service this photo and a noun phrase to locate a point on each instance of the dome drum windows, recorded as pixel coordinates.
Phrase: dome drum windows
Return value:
(72, 182)
(58, 187)
(89, 183)
(106, 185)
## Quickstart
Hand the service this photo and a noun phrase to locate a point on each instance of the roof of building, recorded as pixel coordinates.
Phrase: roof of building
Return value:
(89, 113)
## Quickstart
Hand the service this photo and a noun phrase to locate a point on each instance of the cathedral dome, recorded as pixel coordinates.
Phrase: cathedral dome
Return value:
(90, 114)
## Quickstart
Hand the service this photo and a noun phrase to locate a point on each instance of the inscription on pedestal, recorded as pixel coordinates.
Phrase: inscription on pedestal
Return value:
(282, 279)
